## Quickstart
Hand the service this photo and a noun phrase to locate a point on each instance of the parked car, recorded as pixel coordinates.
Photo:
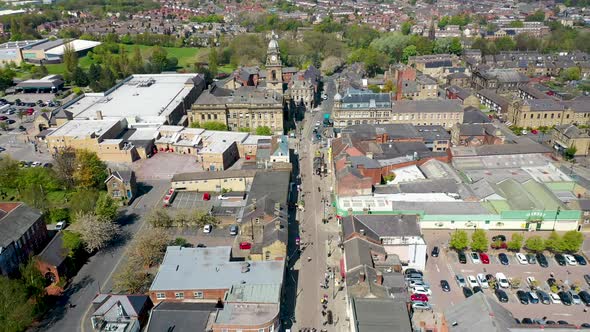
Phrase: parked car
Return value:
(207, 229)
(550, 322)
(22, 128)
(543, 297)
(560, 259)
(542, 260)
(502, 280)
(531, 282)
(414, 271)
(472, 281)
(521, 258)
(585, 325)
(580, 259)
(575, 297)
(467, 292)
(584, 297)
(570, 260)
(503, 259)
(245, 245)
(527, 321)
(460, 280)
(531, 258)
(562, 322)
(3, 117)
(462, 257)
(474, 257)
(499, 238)
(421, 290)
(477, 289)
(485, 259)
(421, 306)
(413, 276)
(587, 278)
(483, 282)
(233, 230)
(522, 297)
(565, 297)
(501, 295)
(61, 225)
(555, 299)
(418, 283)
(10, 121)
(434, 252)
(418, 297)
(551, 282)
(533, 298)
(445, 286)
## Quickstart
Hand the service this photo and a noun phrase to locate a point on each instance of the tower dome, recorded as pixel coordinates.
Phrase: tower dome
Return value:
(337, 97)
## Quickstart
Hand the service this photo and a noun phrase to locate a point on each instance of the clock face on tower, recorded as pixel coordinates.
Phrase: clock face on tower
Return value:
(273, 58)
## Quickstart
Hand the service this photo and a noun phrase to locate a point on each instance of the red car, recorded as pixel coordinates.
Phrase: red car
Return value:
(245, 245)
(484, 258)
(501, 245)
(2, 117)
(30, 111)
(419, 298)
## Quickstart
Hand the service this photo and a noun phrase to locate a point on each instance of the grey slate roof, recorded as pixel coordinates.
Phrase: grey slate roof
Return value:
(479, 313)
(180, 317)
(16, 222)
(474, 115)
(54, 252)
(378, 315)
(493, 97)
(544, 105)
(378, 226)
(427, 106)
(132, 304)
(194, 176)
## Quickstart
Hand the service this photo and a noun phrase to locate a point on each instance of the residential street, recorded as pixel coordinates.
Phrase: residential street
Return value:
(97, 273)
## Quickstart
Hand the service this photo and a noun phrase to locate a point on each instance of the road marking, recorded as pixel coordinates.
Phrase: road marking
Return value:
(467, 271)
(563, 314)
(437, 269)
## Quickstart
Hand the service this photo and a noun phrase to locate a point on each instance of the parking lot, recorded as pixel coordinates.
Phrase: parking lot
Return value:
(447, 265)
(219, 236)
(164, 165)
(191, 200)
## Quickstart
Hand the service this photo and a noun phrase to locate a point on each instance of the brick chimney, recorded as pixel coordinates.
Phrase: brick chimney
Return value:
(379, 278)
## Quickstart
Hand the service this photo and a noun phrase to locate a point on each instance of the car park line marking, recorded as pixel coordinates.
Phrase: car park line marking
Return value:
(467, 271)
(563, 314)
(437, 269)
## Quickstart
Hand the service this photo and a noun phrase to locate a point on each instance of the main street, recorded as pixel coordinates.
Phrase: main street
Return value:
(315, 193)
(96, 275)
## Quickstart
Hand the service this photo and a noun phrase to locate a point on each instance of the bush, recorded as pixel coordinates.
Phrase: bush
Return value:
(57, 214)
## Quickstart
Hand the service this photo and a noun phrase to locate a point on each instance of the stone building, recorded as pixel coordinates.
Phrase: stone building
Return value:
(361, 107)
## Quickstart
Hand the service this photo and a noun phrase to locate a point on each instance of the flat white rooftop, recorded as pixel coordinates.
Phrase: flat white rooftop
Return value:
(407, 174)
(78, 45)
(85, 128)
(141, 99)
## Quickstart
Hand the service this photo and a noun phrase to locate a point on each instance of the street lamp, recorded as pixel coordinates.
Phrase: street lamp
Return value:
(556, 214)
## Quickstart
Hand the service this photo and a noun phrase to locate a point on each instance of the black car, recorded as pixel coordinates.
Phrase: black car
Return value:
(200, 245)
(467, 292)
(531, 258)
(543, 297)
(490, 277)
(414, 271)
(542, 260)
(550, 322)
(585, 325)
(501, 238)
(551, 282)
(562, 322)
(560, 259)
(21, 128)
(565, 297)
(10, 121)
(445, 286)
(435, 252)
(477, 289)
(503, 258)
(585, 297)
(462, 257)
(523, 297)
(587, 278)
(580, 259)
(533, 298)
(501, 295)
(526, 321)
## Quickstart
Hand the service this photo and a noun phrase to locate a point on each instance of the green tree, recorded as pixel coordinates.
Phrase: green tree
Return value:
(515, 242)
(264, 131)
(455, 46)
(106, 207)
(459, 240)
(82, 200)
(181, 242)
(570, 152)
(16, 311)
(39, 71)
(374, 60)
(149, 247)
(408, 52)
(516, 24)
(535, 243)
(132, 279)
(107, 78)
(570, 74)
(213, 61)
(553, 242)
(572, 241)
(537, 16)
(70, 60)
(214, 125)
(91, 172)
(479, 240)
(96, 232)
(159, 218)
(58, 214)
(33, 279)
(406, 27)
(79, 77)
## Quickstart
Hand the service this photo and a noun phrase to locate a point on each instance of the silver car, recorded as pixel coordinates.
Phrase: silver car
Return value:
(460, 280)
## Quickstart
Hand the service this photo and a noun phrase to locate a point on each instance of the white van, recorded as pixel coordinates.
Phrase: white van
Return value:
(61, 225)
(502, 280)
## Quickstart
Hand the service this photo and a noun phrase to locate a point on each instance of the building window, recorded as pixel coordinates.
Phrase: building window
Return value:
(179, 295)
(160, 296)
(198, 295)
(116, 193)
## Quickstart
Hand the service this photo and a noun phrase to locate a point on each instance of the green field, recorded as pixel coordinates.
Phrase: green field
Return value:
(186, 57)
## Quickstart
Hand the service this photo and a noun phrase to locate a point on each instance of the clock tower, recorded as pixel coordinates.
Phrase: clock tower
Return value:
(274, 66)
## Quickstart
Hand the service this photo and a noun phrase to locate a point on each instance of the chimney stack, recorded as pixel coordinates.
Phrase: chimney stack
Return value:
(98, 115)
(379, 278)
(361, 277)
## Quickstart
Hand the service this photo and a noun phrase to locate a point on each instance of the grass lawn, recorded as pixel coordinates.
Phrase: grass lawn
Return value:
(186, 57)
(57, 198)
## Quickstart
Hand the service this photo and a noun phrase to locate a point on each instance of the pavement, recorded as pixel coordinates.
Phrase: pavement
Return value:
(446, 266)
(317, 239)
(96, 275)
